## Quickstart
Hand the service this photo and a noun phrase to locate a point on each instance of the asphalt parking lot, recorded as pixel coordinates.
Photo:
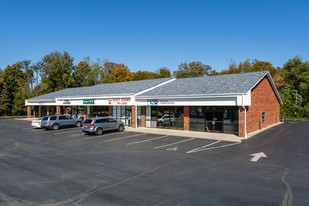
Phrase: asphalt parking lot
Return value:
(67, 167)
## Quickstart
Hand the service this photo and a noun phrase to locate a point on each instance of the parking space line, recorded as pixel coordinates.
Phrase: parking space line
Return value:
(147, 140)
(104, 135)
(109, 140)
(75, 135)
(210, 148)
(64, 132)
(174, 143)
(199, 148)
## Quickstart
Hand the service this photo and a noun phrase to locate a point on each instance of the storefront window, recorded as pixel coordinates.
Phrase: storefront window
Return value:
(123, 113)
(98, 111)
(169, 117)
(214, 119)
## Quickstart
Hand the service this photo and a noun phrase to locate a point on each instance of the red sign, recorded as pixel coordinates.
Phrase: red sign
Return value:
(120, 100)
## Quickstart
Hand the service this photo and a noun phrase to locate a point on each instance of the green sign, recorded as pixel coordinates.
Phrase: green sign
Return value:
(88, 101)
(66, 102)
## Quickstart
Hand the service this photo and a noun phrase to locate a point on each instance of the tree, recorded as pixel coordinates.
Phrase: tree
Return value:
(108, 68)
(56, 71)
(13, 80)
(164, 72)
(193, 69)
(83, 75)
(295, 93)
(143, 75)
(120, 75)
(262, 66)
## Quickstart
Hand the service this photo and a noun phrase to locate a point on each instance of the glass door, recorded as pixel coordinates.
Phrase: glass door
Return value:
(214, 121)
(128, 121)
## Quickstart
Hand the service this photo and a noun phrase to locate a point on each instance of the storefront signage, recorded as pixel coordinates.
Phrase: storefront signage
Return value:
(88, 101)
(159, 102)
(119, 101)
(66, 102)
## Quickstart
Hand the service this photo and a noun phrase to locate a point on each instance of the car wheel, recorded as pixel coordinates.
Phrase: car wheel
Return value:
(78, 124)
(120, 128)
(55, 127)
(99, 131)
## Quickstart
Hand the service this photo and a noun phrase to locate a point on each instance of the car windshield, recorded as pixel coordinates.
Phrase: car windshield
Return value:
(87, 121)
(45, 118)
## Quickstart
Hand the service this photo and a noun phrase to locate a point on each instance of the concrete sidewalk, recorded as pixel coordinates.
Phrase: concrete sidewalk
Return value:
(202, 135)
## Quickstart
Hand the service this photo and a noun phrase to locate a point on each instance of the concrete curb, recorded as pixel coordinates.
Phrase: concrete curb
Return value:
(192, 134)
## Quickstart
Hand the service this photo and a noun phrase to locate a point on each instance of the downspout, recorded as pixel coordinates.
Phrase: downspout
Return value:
(245, 122)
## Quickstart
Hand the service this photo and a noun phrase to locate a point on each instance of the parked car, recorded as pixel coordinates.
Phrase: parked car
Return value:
(56, 121)
(166, 120)
(36, 123)
(99, 125)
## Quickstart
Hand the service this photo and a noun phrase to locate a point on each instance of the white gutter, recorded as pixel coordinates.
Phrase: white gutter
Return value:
(135, 115)
(245, 123)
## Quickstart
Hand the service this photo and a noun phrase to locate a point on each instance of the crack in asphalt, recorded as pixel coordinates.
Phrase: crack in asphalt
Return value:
(288, 196)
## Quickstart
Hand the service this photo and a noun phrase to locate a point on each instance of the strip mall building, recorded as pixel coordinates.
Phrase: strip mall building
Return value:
(236, 104)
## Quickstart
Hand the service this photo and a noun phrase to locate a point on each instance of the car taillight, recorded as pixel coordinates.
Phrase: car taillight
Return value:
(91, 125)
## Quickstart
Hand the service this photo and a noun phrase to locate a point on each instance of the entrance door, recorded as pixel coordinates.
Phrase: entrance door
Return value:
(214, 121)
(128, 121)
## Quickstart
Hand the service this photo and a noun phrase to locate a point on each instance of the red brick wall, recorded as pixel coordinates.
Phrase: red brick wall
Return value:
(186, 118)
(263, 99)
(133, 117)
(28, 111)
(143, 116)
(85, 113)
(110, 111)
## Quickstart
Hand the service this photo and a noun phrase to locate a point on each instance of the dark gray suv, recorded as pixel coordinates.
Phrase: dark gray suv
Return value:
(99, 125)
(56, 121)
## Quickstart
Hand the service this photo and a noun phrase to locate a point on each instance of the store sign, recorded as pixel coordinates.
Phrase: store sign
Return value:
(88, 101)
(159, 102)
(66, 102)
(119, 101)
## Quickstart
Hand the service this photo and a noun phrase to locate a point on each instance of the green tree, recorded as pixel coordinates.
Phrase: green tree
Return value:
(295, 93)
(13, 81)
(83, 75)
(193, 69)
(164, 72)
(56, 71)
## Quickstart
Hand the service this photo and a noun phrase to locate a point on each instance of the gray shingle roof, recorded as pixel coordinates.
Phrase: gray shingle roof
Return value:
(221, 84)
(120, 88)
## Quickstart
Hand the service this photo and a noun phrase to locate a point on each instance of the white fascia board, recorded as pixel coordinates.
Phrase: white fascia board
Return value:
(246, 101)
(189, 96)
(151, 88)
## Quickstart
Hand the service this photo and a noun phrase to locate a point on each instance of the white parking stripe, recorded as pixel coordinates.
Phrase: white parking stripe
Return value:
(147, 140)
(75, 135)
(97, 136)
(199, 148)
(203, 149)
(174, 143)
(109, 140)
(64, 132)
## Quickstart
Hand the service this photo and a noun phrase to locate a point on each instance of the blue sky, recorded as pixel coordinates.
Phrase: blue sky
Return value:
(147, 35)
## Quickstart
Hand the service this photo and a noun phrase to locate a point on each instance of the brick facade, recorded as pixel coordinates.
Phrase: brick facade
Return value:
(263, 99)
(133, 117)
(28, 111)
(186, 118)
(143, 116)
(110, 111)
